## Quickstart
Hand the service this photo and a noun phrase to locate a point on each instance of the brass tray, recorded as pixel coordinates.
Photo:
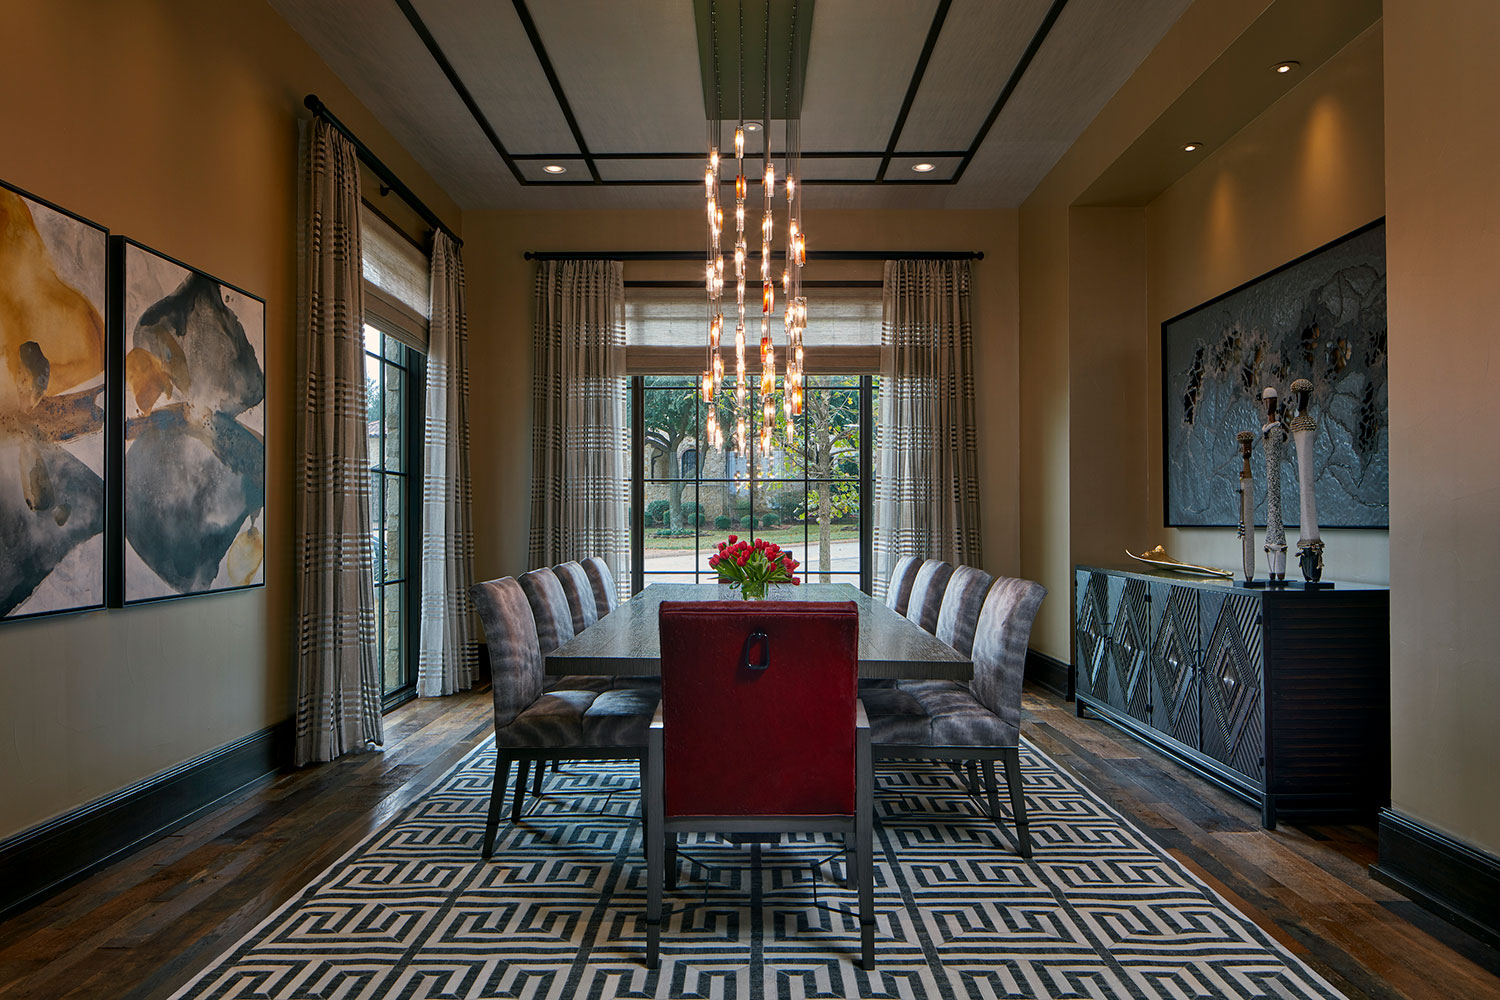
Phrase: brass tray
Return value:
(1158, 557)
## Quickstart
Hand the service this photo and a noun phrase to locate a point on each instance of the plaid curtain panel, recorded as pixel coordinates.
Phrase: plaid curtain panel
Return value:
(338, 674)
(579, 437)
(447, 654)
(927, 469)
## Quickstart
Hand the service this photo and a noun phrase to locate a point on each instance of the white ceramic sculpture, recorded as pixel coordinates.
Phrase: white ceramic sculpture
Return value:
(1273, 432)
(1304, 435)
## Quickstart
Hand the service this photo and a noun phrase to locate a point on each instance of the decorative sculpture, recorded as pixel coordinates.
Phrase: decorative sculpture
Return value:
(1247, 504)
(1273, 432)
(1304, 436)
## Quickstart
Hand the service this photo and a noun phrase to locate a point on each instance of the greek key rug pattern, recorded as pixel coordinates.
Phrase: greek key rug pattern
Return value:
(414, 913)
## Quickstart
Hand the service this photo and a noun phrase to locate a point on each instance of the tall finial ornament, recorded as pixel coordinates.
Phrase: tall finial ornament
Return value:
(1304, 436)
(1273, 432)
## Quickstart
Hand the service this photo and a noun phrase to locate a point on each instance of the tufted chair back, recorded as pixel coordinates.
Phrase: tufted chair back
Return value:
(549, 605)
(962, 601)
(927, 593)
(580, 593)
(606, 597)
(1000, 646)
(515, 657)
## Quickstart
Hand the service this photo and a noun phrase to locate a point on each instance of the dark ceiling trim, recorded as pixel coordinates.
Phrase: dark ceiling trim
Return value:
(697, 255)
(557, 92)
(420, 27)
(379, 169)
(936, 29)
(890, 152)
(1037, 38)
(863, 154)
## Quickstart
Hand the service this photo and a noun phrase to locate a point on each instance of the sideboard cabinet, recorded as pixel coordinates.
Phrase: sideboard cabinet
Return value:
(1281, 695)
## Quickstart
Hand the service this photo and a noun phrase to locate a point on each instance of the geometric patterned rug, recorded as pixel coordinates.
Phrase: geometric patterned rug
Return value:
(413, 912)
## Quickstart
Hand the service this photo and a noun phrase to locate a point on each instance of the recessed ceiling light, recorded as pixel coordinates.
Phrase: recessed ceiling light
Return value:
(1191, 147)
(752, 126)
(1286, 67)
(555, 168)
(922, 168)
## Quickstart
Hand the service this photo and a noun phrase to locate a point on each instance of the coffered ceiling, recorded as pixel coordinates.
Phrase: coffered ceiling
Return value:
(487, 93)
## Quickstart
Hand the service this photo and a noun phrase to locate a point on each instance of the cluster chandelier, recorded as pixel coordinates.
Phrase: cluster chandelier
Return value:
(794, 305)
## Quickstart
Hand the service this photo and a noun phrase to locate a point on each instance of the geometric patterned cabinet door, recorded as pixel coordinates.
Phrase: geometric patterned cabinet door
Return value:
(1091, 635)
(1130, 641)
(1234, 731)
(1174, 662)
(1281, 696)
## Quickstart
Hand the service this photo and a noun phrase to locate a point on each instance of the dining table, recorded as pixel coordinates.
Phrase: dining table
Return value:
(626, 641)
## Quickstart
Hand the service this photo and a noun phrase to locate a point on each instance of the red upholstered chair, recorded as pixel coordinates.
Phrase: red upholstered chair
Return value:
(760, 731)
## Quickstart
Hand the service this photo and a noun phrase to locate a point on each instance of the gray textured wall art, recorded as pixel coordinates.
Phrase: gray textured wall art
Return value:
(53, 280)
(194, 485)
(1321, 317)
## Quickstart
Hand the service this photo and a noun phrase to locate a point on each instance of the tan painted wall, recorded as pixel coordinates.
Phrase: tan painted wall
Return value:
(1442, 100)
(500, 318)
(171, 121)
(1185, 51)
(1106, 400)
(1306, 171)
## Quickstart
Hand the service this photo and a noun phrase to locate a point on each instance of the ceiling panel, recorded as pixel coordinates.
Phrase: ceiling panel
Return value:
(859, 63)
(484, 41)
(902, 168)
(574, 170)
(842, 168)
(975, 55)
(655, 169)
(372, 48)
(629, 71)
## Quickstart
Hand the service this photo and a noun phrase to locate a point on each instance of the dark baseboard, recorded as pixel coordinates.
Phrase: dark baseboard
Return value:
(1049, 672)
(1450, 878)
(45, 859)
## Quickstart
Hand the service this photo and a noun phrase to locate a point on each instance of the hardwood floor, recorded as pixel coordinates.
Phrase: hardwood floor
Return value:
(142, 927)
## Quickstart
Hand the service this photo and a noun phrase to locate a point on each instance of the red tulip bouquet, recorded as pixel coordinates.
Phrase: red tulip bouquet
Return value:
(753, 566)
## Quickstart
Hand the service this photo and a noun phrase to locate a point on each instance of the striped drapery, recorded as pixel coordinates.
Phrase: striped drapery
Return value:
(579, 437)
(338, 673)
(927, 482)
(446, 654)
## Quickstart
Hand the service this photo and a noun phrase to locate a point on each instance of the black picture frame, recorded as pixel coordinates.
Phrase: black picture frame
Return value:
(1220, 476)
(128, 583)
(105, 430)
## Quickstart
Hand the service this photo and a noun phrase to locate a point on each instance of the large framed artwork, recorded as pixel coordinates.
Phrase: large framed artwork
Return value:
(1320, 317)
(54, 284)
(192, 483)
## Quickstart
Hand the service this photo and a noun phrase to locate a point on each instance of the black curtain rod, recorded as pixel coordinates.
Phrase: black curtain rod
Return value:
(699, 255)
(368, 157)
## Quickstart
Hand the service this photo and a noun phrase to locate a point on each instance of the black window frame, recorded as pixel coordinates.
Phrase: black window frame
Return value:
(639, 478)
(413, 365)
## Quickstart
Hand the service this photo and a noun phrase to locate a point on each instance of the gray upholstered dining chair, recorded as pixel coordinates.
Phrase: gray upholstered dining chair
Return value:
(533, 723)
(927, 591)
(606, 597)
(958, 615)
(580, 594)
(549, 606)
(979, 721)
(898, 591)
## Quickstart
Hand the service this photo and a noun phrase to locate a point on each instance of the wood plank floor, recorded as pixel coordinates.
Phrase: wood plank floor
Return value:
(142, 927)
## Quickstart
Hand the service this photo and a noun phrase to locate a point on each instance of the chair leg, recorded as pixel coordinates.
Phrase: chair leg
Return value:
(991, 790)
(972, 770)
(671, 862)
(865, 867)
(497, 792)
(653, 813)
(536, 778)
(523, 771)
(1012, 758)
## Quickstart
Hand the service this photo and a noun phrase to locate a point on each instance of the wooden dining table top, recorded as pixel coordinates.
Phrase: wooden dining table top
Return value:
(626, 642)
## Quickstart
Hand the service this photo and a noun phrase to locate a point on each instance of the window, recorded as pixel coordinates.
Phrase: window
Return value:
(396, 288)
(812, 495)
(393, 375)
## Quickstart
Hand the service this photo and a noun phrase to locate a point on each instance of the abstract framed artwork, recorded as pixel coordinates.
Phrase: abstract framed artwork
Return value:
(54, 286)
(191, 359)
(1320, 317)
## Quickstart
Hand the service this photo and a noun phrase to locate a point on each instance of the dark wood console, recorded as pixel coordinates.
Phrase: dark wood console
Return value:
(1279, 695)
